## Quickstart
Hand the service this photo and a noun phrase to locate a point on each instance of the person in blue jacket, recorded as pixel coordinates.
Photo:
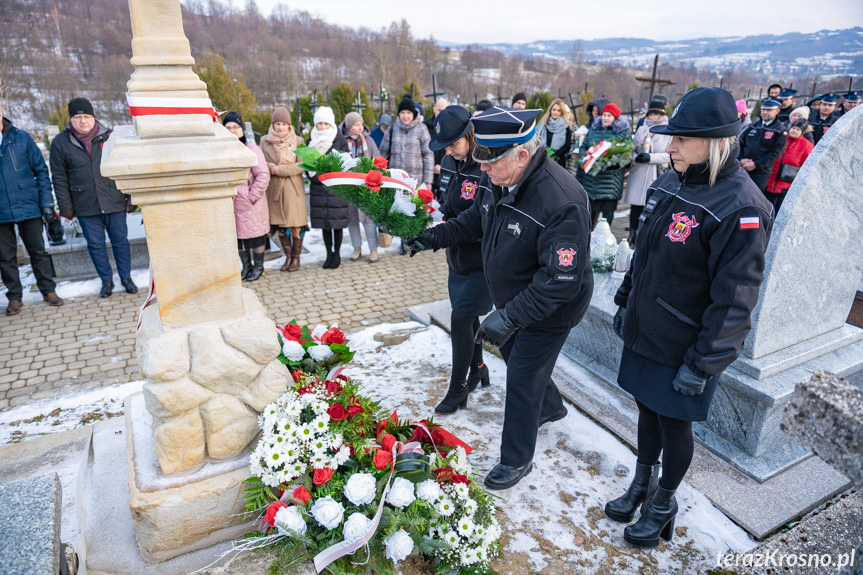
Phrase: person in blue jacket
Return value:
(25, 198)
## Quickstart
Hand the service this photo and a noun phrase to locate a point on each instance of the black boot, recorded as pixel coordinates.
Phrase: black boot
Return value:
(456, 397)
(328, 263)
(633, 235)
(643, 484)
(246, 259)
(656, 521)
(107, 289)
(257, 268)
(476, 375)
(336, 261)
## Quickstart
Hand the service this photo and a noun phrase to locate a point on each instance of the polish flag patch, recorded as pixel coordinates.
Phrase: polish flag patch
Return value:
(750, 223)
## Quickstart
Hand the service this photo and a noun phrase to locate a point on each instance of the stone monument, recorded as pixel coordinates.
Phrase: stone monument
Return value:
(813, 267)
(205, 344)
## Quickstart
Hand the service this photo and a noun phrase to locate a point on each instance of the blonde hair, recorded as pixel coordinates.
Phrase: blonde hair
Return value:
(718, 152)
(563, 108)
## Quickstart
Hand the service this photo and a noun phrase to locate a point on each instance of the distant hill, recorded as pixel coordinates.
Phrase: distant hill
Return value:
(824, 53)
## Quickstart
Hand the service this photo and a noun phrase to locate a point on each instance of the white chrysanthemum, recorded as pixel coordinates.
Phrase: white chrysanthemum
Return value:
(452, 539)
(461, 490)
(306, 432)
(428, 490)
(468, 556)
(479, 532)
(470, 505)
(465, 527)
(293, 350)
(459, 461)
(445, 506)
(320, 352)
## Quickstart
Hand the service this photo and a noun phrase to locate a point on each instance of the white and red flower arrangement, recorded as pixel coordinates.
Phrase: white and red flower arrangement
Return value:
(314, 351)
(389, 197)
(339, 483)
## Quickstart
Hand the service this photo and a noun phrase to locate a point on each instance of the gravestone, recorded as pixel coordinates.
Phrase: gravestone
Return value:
(813, 267)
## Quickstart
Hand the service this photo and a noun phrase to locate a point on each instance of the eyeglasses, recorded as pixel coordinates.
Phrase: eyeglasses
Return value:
(487, 155)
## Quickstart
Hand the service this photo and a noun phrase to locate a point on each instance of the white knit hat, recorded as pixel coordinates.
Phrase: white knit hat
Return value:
(325, 114)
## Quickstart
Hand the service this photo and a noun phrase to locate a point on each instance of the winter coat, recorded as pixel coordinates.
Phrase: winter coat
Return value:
(341, 144)
(327, 211)
(250, 204)
(691, 289)
(78, 181)
(25, 187)
(795, 153)
(762, 144)
(286, 193)
(459, 186)
(608, 184)
(820, 125)
(378, 136)
(535, 245)
(560, 155)
(642, 175)
(406, 146)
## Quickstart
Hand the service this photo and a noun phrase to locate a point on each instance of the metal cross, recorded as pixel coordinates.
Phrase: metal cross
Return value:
(382, 97)
(358, 104)
(314, 101)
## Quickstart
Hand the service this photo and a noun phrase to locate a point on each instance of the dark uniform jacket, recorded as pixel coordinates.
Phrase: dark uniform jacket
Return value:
(78, 181)
(25, 187)
(535, 245)
(695, 279)
(460, 186)
(784, 115)
(763, 145)
(820, 126)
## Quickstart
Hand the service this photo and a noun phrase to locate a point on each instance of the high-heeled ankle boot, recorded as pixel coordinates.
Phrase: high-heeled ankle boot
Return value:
(455, 398)
(257, 267)
(643, 484)
(246, 260)
(477, 375)
(656, 521)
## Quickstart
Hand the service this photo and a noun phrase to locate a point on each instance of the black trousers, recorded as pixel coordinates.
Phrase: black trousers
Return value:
(530, 356)
(31, 235)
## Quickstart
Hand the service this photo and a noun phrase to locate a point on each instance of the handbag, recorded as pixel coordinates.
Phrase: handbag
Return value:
(787, 173)
(385, 240)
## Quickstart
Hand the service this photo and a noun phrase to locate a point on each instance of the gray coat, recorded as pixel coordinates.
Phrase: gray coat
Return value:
(642, 175)
(406, 146)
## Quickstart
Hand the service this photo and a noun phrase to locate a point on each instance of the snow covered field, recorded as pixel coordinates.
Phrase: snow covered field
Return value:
(553, 520)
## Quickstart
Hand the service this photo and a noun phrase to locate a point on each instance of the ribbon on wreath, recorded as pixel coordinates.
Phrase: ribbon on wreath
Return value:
(159, 106)
(594, 153)
(360, 179)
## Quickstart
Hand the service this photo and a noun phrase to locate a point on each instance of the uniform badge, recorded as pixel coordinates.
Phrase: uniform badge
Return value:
(768, 135)
(514, 229)
(437, 129)
(565, 257)
(750, 223)
(680, 228)
(468, 189)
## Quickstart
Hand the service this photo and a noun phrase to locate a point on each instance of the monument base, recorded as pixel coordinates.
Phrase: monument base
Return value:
(177, 515)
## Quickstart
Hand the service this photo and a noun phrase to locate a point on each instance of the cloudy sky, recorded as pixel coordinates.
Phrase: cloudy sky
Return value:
(525, 21)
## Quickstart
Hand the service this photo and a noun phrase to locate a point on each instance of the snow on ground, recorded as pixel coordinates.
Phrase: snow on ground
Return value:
(314, 242)
(553, 520)
(73, 289)
(58, 414)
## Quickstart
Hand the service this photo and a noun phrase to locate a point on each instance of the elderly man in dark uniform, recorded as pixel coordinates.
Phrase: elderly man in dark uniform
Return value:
(762, 143)
(533, 220)
(825, 117)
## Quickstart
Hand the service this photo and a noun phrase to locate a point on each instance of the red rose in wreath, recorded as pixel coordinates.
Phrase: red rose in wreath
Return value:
(337, 412)
(301, 494)
(334, 387)
(355, 409)
(333, 335)
(444, 475)
(388, 441)
(270, 517)
(292, 332)
(374, 180)
(321, 476)
(425, 195)
(380, 163)
(382, 459)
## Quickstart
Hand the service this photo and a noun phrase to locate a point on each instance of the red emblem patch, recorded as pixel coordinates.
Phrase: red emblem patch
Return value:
(768, 135)
(468, 189)
(681, 227)
(565, 257)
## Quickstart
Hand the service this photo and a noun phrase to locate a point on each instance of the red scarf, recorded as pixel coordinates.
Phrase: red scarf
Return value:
(86, 139)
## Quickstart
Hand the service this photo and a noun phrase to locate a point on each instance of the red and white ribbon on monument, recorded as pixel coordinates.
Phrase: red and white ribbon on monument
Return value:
(151, 295)
(159, 106)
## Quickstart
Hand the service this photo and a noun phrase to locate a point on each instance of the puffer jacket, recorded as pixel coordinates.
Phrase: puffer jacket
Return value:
(327, 211)
(608, 184)
(692, 287)
(406, 146)
(250, 204)
(78, 180)
(795, 153)
(25, 187)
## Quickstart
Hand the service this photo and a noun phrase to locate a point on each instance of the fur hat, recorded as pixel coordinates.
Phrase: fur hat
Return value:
(325, 114)
(351, 119)
(612, 109)
(281, 114)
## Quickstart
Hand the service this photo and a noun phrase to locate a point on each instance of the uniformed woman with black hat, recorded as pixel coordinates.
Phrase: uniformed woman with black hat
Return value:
(685, 304)
(468, 290)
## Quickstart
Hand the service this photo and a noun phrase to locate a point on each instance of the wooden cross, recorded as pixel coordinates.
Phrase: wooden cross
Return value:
(632, 112)
(434, 93)
(358, 104)
(654, 80)
(572, 104)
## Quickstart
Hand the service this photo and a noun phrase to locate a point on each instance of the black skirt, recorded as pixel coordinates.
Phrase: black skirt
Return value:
(650, 383)
(468, 293)
(251, 243)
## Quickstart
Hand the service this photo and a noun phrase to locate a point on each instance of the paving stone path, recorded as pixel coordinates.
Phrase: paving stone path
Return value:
(90, 342)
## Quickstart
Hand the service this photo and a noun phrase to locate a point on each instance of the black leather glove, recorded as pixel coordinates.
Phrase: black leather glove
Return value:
(418, 243)
(642, 158)
(48, 213)
(496, 329)
(688, 382)
(618, 321)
